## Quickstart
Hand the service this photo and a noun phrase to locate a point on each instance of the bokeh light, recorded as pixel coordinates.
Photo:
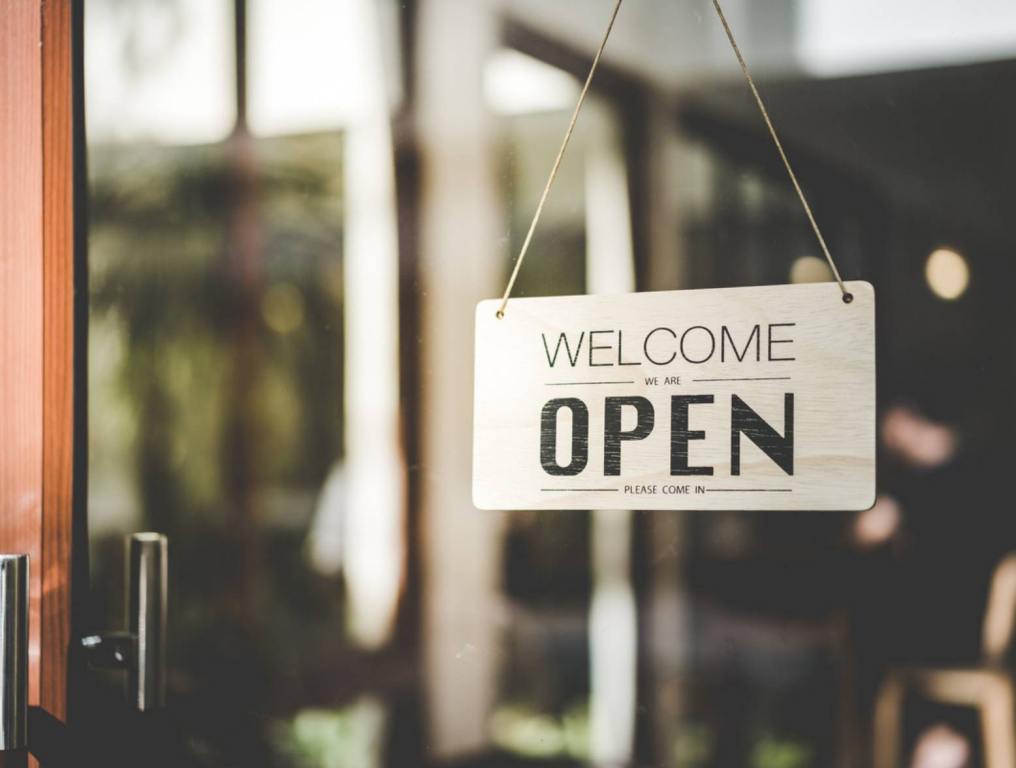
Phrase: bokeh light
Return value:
(810, 269)
(947, 273)
(282, 307)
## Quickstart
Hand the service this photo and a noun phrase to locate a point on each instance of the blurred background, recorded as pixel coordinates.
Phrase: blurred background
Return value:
(294, 207)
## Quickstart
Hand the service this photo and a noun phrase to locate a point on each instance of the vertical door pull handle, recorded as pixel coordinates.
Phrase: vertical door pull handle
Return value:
(13, 652)
(147, 590)
(141, 649)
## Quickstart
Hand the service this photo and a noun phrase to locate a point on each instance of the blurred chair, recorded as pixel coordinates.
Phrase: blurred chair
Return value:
(988, 687)
(828, 635)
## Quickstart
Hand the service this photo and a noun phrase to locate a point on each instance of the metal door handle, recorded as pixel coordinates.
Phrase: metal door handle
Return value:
(13, 652)
(146, 619)
(141, 650)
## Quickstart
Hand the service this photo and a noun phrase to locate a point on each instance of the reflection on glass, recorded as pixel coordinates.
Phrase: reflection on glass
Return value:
(144, 59)
(244, 374)
(288, 234)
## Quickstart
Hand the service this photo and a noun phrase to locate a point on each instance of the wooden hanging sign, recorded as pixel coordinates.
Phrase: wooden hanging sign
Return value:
(730, 398)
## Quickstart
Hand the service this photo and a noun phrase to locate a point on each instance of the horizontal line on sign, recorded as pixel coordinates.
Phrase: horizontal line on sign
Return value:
(749, 490)
(578, 383)
(582, 490)
(752, 378)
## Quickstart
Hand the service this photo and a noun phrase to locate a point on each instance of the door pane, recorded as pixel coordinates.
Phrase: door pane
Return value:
(294, 209)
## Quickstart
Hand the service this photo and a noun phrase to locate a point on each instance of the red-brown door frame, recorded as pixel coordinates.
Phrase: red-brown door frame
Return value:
(37, 246)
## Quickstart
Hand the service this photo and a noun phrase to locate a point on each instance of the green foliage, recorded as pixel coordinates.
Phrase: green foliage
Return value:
(771, 751)
(215, 416)
(341, 738)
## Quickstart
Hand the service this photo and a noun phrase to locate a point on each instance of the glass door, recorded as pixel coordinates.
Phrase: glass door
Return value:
(268, 336)
(293, 209)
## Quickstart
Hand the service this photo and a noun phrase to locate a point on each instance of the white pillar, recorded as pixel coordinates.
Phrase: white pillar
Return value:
(462, 260)
(374, 544)
(613, 620)
(668, 629)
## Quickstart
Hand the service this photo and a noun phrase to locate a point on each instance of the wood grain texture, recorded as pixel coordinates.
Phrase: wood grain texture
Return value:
(58, 350)
(733, 398)
(36, 323)
(21, 349)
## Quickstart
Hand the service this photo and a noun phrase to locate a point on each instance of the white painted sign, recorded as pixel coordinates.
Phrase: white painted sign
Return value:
(730, 398)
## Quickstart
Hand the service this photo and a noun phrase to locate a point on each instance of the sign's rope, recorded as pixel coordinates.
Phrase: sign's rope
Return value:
(557, 162)
(847, 296)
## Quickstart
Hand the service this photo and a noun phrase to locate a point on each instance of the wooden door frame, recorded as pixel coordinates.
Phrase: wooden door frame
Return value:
(41, 255)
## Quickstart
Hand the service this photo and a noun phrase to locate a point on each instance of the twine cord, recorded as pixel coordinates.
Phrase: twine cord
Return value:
(557, 161)
(846, 295)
